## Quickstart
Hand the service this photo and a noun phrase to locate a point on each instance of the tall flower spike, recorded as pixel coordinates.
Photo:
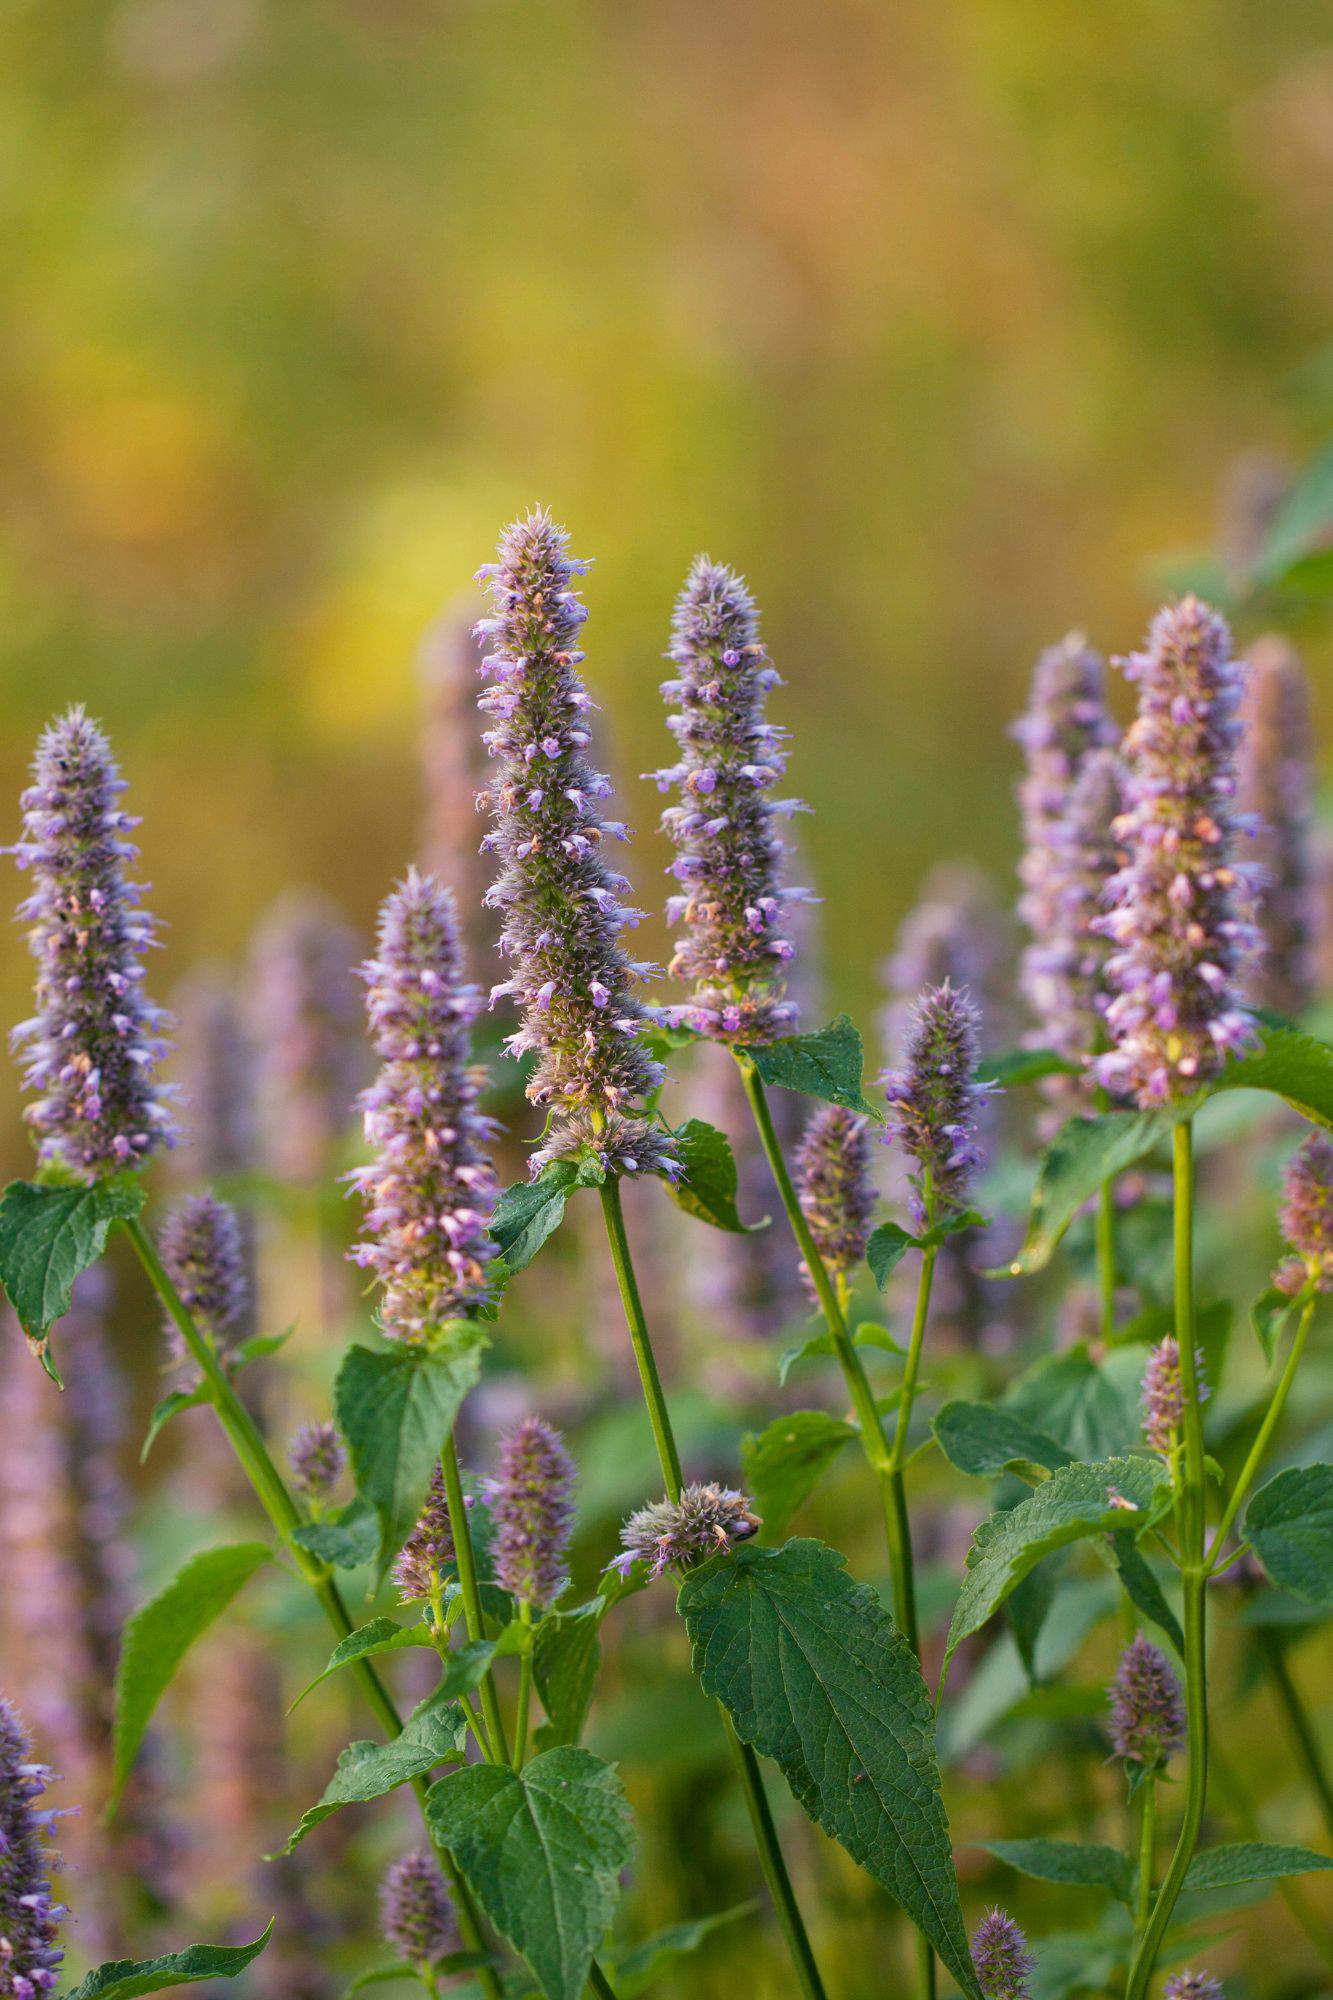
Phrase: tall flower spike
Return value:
(430, 1189)
(1147, 1711)
(29, 1915)
(1276, 780)
(416, 1916)
(317, 1456)
(1164, 1395)
(202, 1252)
(531, 1506)
(736, 943)
(1001, 1957)
(307, 1030)
(92, 1047)
(419, 1566)
(935, 1101)
(1179, 909)
(1064, 969)
(562, 916)
(677, 1534)
(1306, 1217)
(834, 1187)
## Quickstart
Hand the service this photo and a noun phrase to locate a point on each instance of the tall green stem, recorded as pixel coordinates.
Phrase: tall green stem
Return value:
(747, 1765)
(1190, 1513)
(1272, 1417)
(521, 1713)
(270, 1489)
(1106, 1258)
(1303, 1737)
(1147, 1849)
(473, 1616)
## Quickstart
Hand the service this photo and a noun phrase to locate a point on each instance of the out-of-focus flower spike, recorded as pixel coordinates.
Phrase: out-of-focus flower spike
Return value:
(307, 1032)
(1147, 1720)
(317, 1456)
(30, 1953)
(531, 1503)
(1276, 781)
(935, 1100)
(1306, 1217)
(203, 1255)
(416, 1917)
(833, 1183)
(1064, 968)
(1164, 1395)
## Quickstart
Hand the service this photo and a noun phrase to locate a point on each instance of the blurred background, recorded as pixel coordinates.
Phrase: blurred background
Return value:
(953, 325)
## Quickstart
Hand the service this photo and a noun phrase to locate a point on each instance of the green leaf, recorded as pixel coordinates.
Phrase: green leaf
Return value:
(1089, 1407)
(124, 1978)
(816, 1675)
(783, 1463)
(1301, 528)
(1143, 1589)
(48, 1235)
(566, 1654)
(396, 1408)
(637, 1969)
(530, 1211)
(985, 1439)
(707, 1185)
(381, 1635)
(1068, 1507)
(886, 1249)
(826, 1064)
(157, 1638)
(1019, 1066)
(542, 1850)
(1078, 1865)
(1289, 1525)
(1268, 1316)
(380, 1975)
(1289, 1065)
(1084, 1153)
(169, 1407)
(1250, 1861)
(433, 1734)
(347, 1540)
(868, 1334)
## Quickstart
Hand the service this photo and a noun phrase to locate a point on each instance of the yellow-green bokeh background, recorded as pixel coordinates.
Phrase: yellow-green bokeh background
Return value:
(945, 320)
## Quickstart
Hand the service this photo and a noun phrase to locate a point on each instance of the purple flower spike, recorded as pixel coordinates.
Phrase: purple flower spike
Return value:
(1276, 781)
(531, 1505)
(429, 1192)
(935, 1102)
(420, 1564)
(1307, 1217)
(837, 1196)
(1147, 1711)
(677, 1534)
(1064, 969)
(569, 973)
(1179, 910)
(1164, 1395)
(29, 1915)
(1001, 1957)
(416, 1916)
(316, 1455)
(736, 944)
(1192, 1986)
(307, 1031)
(92, 1047)
(202, 1251)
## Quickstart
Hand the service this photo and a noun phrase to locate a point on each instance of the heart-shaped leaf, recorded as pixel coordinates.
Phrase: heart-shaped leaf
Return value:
(785, 1462)
(48, 1235)
(827, 1064)
(1289, 1525)
(707, 1183)
(396, 1408)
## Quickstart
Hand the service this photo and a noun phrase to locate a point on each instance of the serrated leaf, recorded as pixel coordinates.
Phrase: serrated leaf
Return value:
(565, 1656)
(886, 1249)
(1077, 1864)
(1084, 1153)
(1144, 1591)
(169, 1407)
(1020, 1066)
(1068, 1507)
(827, 1064)
(126, 1978)
(636, 1969)
(530, 1211)
(1250, 1861)
(707, 1183)
(784, 1463)
(1288, 1064)
(347, 1540)
(396, 1409)
(1089, 1407)
(1289, 1525)
(433, 1734)
(986, 1439)
(541, 1850)
(816, 1675)
(158, 1637)
(48, 1235)
(381, 1635)
(1268, 1316)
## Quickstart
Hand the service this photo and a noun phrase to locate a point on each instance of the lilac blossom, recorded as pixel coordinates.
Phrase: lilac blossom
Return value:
(1064, 969)
(1164, 1395)
(532, 1508)
(562, 918)
(1001, 1957)
(430, 1189)
(416, 1916)
(317, 1456)
(1178, 915)
(1276, 779)
(1306, 1217)
(307, 1030)
(833, 1184)
(419, 1567)
(91, 1049)
(1147, 1720)
(30, 1954)
(203, 1255)
(677, 1534)
(736, 943)
(935, 1102)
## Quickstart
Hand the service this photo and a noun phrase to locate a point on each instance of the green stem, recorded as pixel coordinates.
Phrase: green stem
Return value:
(747, 1766)
(1147, 1850)
(524, 1691)
(1304, 1741)
(1272, 1417)
(904, 1566)
(1191, 1506)
(252, 1453)
(1106, 1258)
(473, 1616)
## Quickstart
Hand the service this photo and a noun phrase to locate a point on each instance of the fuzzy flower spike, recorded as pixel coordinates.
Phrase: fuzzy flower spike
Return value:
(429, 1192)
(204, 1257)
(935, 1102)
(1179, 911)
(1276, 783)
(29, 1915)
(562, 918)
(1307, 1218)
(1147, 1712)
(1164, 1395)
(1064, 969)
(735, 945)
(834, 1186)
(416, 1916)
(1001, 1957)
(531, 1506)
(92, 1047)
(677, 1534)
